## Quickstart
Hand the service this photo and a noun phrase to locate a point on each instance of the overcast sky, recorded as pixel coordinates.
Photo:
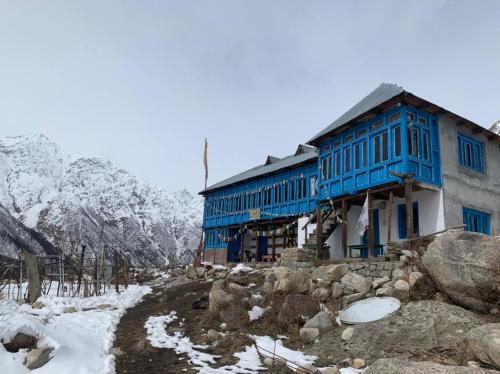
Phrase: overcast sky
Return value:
(143, 82)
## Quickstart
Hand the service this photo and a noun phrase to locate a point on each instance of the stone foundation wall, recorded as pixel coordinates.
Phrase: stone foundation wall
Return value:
(372, 270)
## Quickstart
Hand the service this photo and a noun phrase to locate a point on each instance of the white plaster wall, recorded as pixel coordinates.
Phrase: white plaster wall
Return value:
(463, 187)
(301, 234)
(431, 220)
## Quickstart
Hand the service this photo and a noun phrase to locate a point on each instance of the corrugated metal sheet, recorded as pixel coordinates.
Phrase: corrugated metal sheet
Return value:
(378, 96)
(261, 170)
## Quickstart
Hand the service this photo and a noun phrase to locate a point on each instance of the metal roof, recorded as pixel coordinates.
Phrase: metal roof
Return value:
(378, 96)
(309, 154)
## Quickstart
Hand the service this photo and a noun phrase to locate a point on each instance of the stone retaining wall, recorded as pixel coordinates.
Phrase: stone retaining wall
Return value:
(372, 270)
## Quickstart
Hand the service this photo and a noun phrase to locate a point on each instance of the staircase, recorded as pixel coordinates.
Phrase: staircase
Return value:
(328, 227)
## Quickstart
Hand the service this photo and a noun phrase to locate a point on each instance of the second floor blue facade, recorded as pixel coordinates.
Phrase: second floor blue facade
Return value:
(286, 193)
(403, 139)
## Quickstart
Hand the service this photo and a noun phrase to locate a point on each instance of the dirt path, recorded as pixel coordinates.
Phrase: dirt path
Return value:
(138, 355)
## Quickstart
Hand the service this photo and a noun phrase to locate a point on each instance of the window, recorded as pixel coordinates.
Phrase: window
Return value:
(337, 164)
(397, 141)
(312, 185)
(292, 190)
(277, 194)
(476, 221)
(302, 188)
(348, 138)
(422, 121)
(381, 147)
(413, 142)
(470, 153)
(336, 144)
(347, 160)
(285, 195)
(395, 117)
(326, 168)
(385, 146)
(377, 125)
(362, 132)
(410, 118)
(359, 155)
(402, 220)
(376, 149)
(426, 140)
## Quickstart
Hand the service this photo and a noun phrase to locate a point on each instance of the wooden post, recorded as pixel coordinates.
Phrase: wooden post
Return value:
(319, 231)
(409, 208)
(389, 219)
(344, 227)
(117, 286)
(371, 240)
(242, 244)
(33, 276)
(257, 243)
(274, 245)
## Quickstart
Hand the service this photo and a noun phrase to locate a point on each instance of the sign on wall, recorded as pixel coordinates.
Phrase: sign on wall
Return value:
(254, 214)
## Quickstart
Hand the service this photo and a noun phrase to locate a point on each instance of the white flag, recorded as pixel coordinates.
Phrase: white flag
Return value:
(363, 218)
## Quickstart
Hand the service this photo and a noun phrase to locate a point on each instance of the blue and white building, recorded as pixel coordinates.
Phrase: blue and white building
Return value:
(365, 155)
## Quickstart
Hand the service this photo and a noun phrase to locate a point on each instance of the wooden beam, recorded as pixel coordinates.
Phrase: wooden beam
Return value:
(319, 231)
(344, 228)
(257, 243)
(409, 208)
(242, 243)
(389, 219)
(274, 245)
(371, 239)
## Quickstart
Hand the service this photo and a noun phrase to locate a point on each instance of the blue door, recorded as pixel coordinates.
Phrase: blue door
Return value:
(262, 246)
(402, 220)
(234, 246)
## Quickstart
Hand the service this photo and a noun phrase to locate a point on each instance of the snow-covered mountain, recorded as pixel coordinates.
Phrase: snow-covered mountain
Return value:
(89, 201)
(495, 128)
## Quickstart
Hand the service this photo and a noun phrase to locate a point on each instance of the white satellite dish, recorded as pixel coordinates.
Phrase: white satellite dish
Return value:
(369, 310)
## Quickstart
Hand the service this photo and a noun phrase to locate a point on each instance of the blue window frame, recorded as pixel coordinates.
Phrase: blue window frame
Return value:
(402, 220)
(470, 153)
(476, 221)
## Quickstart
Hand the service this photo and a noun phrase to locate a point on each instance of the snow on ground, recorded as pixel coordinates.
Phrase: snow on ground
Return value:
(256, 313)
(241, 268)
(82, 340)
(249, 361)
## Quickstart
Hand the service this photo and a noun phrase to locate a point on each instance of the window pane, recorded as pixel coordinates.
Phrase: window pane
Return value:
(394, 117)
(415, 146)
(312, 186)
(426, 146)
(357, 154)
(347, 160)
(337, 163)
(365, 153)
(397, 141)
(377, 125)
(376, 149)
(385, 146)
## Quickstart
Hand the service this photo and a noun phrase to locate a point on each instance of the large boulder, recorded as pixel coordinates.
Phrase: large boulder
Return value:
(417, 326)
(290, 281)
(321, 321)
(356, 282)
(219, 299)
(38, 357)
(484, 344)
(191, 272)
(21, 341)
(330, 273)
(464, 265)
(309, 334)
(403, 366)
